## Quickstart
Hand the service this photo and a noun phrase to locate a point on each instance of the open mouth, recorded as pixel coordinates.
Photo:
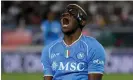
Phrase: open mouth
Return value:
(65, 22)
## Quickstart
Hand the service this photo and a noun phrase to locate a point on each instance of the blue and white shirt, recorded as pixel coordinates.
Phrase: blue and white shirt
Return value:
(51, 31)
(73, 62)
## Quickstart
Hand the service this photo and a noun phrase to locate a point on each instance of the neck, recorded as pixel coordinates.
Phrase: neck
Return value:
(69, 39)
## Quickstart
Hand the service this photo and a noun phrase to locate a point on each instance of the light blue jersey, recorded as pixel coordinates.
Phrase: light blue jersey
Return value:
(74, 62)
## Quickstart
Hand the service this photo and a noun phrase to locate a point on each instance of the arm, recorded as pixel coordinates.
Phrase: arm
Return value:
(44, 29)
(95, 76)
(48, 75)
(48, 78)
(96, 63)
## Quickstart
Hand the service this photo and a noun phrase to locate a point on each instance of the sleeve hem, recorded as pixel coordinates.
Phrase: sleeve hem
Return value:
(47, 75)
(95, 72)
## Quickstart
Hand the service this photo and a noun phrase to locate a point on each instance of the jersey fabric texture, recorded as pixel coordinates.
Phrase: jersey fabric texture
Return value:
(73, 62)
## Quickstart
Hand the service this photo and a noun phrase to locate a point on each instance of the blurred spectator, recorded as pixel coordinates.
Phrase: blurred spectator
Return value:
(117, 16)
(102, 13)
(34, 18)
(17, 38)
(51, 28)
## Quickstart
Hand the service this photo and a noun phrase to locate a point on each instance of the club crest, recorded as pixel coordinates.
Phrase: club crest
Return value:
(80, 55)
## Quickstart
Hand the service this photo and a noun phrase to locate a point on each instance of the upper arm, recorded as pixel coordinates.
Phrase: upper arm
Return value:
(96, 62)
(45, 60)
(44, 28)
(95, 76)
(48, 77)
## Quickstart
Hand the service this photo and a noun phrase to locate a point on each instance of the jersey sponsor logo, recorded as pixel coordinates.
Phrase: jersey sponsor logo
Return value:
(54, 65)
(97, 61)
(54, 55)
(80, 55)
(69, 66)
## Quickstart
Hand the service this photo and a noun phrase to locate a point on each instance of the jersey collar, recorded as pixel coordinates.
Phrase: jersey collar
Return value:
(73, 42)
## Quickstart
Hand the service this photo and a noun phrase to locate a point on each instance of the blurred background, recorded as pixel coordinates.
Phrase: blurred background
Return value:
(28, 26)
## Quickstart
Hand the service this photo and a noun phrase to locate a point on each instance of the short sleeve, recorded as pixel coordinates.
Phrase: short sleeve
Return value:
(47, 70)
(97, 59)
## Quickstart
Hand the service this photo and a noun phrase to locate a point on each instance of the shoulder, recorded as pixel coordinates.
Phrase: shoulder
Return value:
(95, 48)
(56, 22)
(92, 42)
(44, 21)
(52, 44)
(89, 40)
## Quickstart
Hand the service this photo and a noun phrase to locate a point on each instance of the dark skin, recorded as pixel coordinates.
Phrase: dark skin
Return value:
(71, 33)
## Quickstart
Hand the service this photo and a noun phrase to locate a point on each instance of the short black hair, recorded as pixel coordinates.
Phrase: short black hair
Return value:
(77, 12)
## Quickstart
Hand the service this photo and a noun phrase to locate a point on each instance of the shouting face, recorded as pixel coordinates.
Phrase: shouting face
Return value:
(73, 18)
(69, 23)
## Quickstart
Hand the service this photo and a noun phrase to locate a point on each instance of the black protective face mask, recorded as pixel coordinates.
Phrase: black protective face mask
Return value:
(72, 11)
(77, 13)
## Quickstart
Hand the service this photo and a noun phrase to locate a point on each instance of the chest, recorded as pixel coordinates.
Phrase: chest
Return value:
(69, 58)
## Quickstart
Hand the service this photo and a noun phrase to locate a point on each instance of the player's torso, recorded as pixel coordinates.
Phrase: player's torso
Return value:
(69, 63)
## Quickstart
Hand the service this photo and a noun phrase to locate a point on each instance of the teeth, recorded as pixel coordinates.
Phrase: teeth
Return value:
(65, 25)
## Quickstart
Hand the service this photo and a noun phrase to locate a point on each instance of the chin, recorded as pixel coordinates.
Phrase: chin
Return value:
(67, 32)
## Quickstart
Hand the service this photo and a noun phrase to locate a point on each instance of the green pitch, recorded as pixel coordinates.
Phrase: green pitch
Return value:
(39, 76)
